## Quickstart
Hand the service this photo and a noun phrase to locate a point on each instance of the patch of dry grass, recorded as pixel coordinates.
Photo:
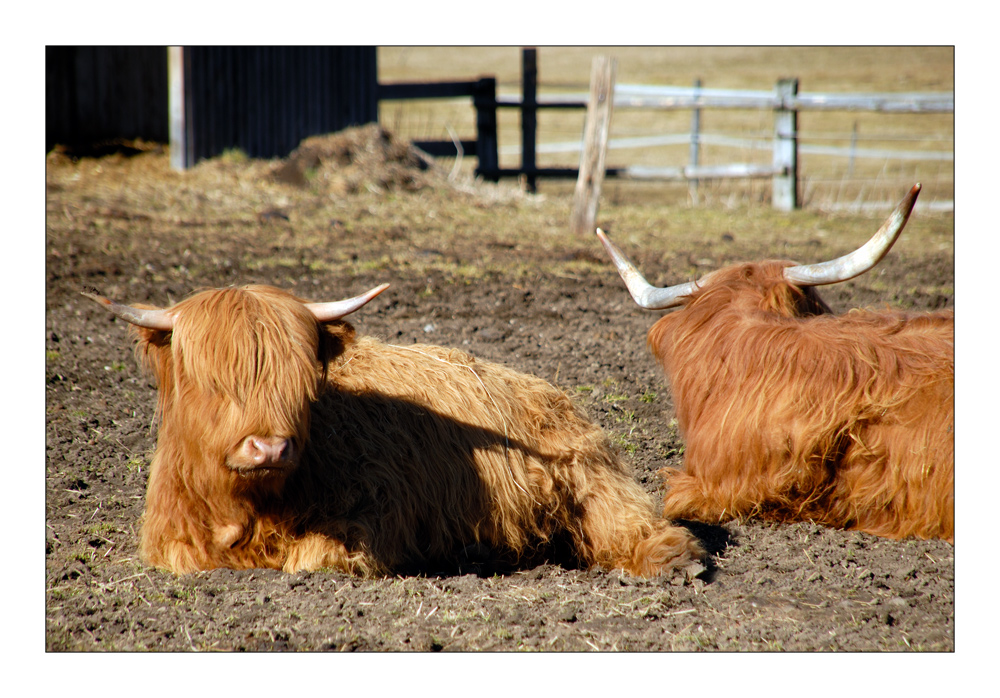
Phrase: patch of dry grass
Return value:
(122, 207)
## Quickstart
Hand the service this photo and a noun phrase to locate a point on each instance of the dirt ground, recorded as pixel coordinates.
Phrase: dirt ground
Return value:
(480, 267)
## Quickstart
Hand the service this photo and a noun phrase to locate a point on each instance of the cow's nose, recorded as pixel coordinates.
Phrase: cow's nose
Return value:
(263, 451)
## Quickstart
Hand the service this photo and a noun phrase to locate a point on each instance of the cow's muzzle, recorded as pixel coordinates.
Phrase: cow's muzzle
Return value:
(260, 455)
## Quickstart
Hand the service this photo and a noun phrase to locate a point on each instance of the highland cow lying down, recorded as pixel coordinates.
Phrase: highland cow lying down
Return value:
(795, 414)
(286, 441)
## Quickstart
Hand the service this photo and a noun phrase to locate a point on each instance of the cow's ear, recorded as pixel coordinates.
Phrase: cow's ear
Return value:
(660, 337)
(152, 350)
(788, 300)
(812, 304)
(333, 339)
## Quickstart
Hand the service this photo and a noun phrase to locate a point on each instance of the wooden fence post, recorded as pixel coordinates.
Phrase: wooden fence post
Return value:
(784, 184)
(853, 150)
(695, 138)
(485, 101)
(529, 115)
(595, 145)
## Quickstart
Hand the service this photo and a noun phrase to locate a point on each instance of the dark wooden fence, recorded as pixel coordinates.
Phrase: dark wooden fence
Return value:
(486, 103)
(484, 98)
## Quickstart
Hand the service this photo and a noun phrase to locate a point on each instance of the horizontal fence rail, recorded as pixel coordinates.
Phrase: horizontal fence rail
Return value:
(762, 143)
(732, 171)
(670, 97)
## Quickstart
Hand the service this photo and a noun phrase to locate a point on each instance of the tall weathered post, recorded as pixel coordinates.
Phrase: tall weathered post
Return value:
(595, 145)
(784, 183)
(181, 152)
(695, 143)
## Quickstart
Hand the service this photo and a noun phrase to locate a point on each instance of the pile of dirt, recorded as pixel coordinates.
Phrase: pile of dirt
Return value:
(356, 159)
(371, 160)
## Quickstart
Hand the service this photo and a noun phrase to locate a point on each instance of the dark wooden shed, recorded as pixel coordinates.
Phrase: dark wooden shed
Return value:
(103, 93)
(206, 99)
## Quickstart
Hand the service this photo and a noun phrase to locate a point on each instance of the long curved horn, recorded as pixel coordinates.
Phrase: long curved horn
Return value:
(153, 318)
(326, 312)
(646, 295)
(863, 258)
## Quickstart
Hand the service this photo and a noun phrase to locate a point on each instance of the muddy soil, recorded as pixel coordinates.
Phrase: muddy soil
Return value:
(136, 231)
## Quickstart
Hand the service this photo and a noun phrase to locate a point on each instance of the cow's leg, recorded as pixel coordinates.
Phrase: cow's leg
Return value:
(178, 557)
(688, 497)
(314, 551)
(620, 530)
(668, 547)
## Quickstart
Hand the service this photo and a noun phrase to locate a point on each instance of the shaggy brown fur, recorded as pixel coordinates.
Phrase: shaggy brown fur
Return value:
(794, 414)
(398, 457)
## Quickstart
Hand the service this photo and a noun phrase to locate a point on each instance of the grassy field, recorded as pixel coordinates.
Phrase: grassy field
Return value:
(828, 181)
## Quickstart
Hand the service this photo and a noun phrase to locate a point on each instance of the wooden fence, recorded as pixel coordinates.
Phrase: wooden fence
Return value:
(484, 99)
(785, 101)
